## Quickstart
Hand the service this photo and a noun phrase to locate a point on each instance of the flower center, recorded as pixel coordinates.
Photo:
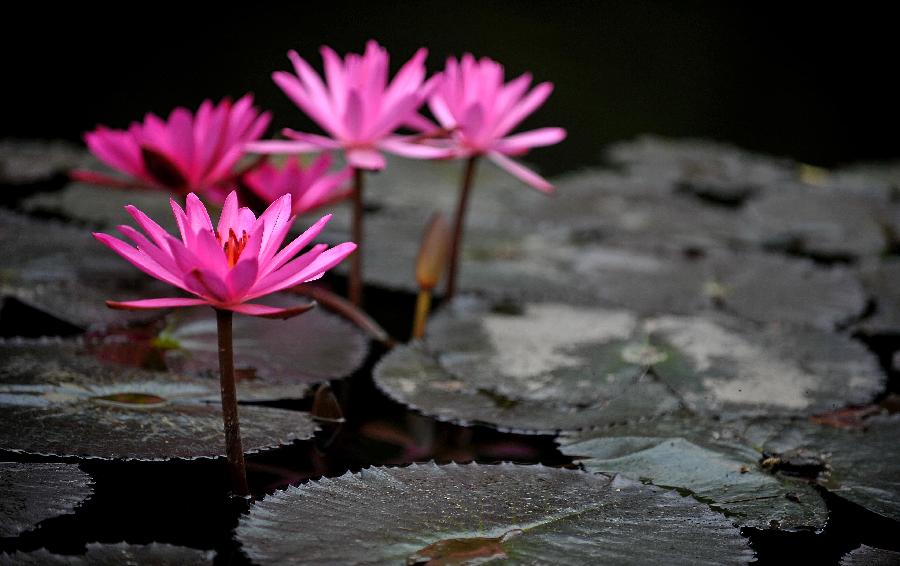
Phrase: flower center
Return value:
(233, 246)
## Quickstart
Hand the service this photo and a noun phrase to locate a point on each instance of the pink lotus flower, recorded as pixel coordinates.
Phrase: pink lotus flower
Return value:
(226, 266)
(473, 103)
(309, 187)
(184, 154)
(357, 107)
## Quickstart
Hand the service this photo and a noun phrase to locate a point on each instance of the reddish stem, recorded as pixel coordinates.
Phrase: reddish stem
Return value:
(458, 222)
(233, 448)
(356, 260)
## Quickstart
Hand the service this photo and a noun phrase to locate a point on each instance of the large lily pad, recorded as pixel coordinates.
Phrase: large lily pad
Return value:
(31, 493)
(63, 272)
(712, 170)
(115, 555)
(708, 459)
(546, 367)
(881, 282)
(101, 207)
(274, 360)
(861, 466)
(25, 162)
(868, 556)
(472, 514)
(827, 225)
(56, 402)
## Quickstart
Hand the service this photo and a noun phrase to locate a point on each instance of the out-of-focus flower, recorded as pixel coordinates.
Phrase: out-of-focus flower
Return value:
(226, 266)
(474, 104)
(310, 187)
(184, 154)
(357, 107)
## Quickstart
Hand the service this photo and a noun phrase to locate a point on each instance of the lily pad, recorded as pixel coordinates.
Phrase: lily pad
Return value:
(715, 171)
(274, 360)
(821, 224)
(546, 367)
(31, 493)
(101, 207)
(115, 555)
(861, 466)
(868, 556)
(24, 162)
(57, 402)
(708, 459)
(473, 514)
(63, 272)
(880, 280)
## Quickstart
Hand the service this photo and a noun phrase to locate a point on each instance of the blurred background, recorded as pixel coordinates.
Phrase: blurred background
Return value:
(807, 81)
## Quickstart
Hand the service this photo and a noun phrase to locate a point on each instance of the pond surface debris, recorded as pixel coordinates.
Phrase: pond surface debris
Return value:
(688, 355)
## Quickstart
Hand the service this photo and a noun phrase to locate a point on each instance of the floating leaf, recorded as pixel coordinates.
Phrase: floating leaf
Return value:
(65, 273)
(868, 556)
(827, 225)
(57, 402)
(727, 367)
(273, 359)
(715, 171)
(115, 555)
(100, 207)
(24, 162)
(708, 459)
(547, 367)
(880, 281)
(469, 514)
(31, 493)
(862, 466)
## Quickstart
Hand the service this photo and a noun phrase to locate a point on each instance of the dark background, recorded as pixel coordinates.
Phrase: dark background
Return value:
(808, 81)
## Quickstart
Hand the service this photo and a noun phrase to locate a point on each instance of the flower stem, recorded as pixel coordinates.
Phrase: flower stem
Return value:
(423, 306)
(356, 260)
(458, 222)
(233, 448)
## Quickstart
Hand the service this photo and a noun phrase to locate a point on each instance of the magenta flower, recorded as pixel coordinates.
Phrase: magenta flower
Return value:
(185, 154)
(357, 107)
(226, 266)
(309, 187)
(473, 103)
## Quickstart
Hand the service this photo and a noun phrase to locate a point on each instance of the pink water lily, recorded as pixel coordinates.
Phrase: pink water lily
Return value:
(225, 266)
(310, 187)
(473, 103)
(357, 107)
(186, 153)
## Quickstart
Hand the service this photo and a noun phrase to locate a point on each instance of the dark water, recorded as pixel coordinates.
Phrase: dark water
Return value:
(804, 80)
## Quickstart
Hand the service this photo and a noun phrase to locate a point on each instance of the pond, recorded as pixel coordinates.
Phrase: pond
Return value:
(688, 354)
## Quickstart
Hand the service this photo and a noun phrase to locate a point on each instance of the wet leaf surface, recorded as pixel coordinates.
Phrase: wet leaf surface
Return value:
(274, 359)
(102, 207)
(33, 492)
(57, 402)
(546, 367)
(862, 466)
(815, 223)
(881, 282)
(115, 555)
(868, 556)
(707, 458)
(25, 162)
(466, 514)
(66, 274)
